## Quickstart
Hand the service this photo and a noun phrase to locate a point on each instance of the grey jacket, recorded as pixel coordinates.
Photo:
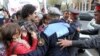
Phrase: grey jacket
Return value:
(90, 43)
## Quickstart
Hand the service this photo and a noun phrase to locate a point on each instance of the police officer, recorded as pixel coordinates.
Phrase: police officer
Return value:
(75, 24)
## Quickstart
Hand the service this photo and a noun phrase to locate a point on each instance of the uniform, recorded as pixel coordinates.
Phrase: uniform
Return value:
(75, 36)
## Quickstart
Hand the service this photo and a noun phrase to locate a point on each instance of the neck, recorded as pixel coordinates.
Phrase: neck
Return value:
(28, 19)
(16, 39)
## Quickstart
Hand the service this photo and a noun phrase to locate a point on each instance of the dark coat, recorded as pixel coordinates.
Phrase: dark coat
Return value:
(54, 49)
(73, 51)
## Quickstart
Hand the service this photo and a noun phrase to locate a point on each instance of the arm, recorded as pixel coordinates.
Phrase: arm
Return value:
(25, 36)
(90, 43)
(21, 49)
(90, 31)
(24, 49)
(34, 39)
(34, 44)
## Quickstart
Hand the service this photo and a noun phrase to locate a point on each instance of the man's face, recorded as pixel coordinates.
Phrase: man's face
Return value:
(36, 20)
(66, 14)
(33, 16)
(97, 16)
(71, 16)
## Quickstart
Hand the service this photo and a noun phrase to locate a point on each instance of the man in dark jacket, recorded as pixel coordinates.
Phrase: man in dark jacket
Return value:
(71, 17)
(90, 43)
(75, 24)
(54, 49)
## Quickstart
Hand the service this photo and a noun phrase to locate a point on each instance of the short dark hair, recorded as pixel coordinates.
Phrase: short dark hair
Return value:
(65, 11)
(18, 13)
(27, 10)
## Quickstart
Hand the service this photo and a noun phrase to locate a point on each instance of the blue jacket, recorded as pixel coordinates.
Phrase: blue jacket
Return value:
(54, 49)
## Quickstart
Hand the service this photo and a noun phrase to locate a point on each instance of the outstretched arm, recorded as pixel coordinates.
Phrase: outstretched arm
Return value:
(90, 43)
(90, 31)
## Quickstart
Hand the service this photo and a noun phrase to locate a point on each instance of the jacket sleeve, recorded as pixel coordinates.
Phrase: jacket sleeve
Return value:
(22, 49)
(40, 50)
(90, 43)
(34, 44)
(90, 31)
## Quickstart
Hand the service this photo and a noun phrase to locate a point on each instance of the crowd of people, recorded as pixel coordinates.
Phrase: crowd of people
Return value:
(28, 33)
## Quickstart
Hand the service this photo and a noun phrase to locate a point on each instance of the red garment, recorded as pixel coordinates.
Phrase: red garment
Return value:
(97, 7)
(25, 38)
(21, 48)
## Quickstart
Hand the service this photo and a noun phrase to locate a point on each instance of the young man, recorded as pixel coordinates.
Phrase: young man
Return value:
(65, 16)
(28, 14)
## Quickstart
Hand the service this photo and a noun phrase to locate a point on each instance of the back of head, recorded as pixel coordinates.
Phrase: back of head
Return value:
(54, 11)
(27, 10)
(18, 14)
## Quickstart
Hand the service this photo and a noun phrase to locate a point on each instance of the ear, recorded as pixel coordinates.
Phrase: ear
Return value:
(30, 15)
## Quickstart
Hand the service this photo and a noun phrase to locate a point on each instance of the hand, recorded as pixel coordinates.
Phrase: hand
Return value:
(64, 43)
(24, 34)
(13, 55)
(70, 20)
(24, 43)
(78, 29)
(34, 35)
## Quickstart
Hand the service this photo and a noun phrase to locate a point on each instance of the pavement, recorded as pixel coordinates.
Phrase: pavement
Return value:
(88, 52)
